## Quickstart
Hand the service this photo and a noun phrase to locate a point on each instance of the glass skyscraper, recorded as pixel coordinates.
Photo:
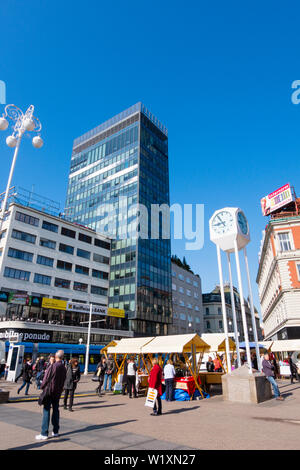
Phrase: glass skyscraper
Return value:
(115, 167)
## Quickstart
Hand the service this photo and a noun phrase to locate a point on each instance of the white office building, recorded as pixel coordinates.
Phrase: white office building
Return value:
(51, 270)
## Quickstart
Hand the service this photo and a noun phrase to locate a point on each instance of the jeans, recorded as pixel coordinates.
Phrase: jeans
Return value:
(109, 377)
(38, 379)
(27, 384)
(274, 386)
(46, 416)
(169, 389)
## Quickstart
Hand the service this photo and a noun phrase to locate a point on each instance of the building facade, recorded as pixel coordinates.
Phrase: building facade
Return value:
(116, 167)
(51, 270)
(213, 315)
(278, 277)
(187, 301)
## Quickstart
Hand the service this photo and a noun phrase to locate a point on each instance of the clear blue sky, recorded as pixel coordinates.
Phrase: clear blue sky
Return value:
(217, 74)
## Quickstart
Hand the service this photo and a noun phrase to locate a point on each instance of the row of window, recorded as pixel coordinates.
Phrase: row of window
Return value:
(27, 237)
(187, 291)
(27, 219)
(46, 280)
(45, 261)
(186, 279)
(182, 316)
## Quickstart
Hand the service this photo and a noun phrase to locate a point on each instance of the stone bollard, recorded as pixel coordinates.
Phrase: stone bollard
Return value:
(241, 387)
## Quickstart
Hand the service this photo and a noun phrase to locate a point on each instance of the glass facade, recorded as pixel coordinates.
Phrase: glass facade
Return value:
(120, 164)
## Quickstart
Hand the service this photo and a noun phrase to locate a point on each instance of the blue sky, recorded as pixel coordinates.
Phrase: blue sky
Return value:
(218, 75)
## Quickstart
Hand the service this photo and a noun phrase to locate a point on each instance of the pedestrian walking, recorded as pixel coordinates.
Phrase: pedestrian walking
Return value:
(52, 387)
(101, 369)
(110, 367)
(124, 379)
(26, 374)
(2, 368)
(169, 374)
(72, 379)
(293, 369)
(269, 371)
(40, 370)
(131, 378)
(155, 381)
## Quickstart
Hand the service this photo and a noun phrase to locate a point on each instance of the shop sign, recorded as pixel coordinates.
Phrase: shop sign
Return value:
(54, 303)
(35, 336)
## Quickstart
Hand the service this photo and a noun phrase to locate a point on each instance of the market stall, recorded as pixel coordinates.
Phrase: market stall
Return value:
(125, 348)
(183, 350)
(281, 349)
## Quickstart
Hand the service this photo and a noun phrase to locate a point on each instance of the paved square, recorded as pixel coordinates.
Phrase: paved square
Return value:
(115, 422)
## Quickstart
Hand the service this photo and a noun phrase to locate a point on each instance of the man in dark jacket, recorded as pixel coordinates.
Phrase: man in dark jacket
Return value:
(53, 383)
(72, 379)
(269, 371)
(110, 367)
(26, 374)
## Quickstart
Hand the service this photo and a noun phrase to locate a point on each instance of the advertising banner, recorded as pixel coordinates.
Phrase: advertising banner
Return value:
(54, 303)
(18, 299)
(279, 198)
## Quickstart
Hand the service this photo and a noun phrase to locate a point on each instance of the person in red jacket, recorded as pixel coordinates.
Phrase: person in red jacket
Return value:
(155, 381)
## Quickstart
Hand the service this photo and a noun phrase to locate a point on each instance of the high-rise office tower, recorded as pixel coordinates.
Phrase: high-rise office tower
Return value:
(114, 168)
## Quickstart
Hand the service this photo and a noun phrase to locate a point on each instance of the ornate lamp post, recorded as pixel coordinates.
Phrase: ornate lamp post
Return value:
(21, 123)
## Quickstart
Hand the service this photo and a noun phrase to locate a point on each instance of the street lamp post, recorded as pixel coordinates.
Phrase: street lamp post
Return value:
(21, 123)
(87, 352)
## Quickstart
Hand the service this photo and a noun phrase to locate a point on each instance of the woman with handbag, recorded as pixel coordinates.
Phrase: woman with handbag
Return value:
(72, 379)
(101, 369)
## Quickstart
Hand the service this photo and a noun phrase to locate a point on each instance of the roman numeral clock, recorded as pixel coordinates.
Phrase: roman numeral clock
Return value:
(229, 231)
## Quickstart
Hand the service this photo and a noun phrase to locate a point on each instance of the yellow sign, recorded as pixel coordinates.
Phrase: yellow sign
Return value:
(116, 312)
(54, 303)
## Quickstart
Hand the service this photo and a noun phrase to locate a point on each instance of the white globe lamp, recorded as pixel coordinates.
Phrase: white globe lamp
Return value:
(29, 124)
(37, 142)
(11, 141)
(3, 124)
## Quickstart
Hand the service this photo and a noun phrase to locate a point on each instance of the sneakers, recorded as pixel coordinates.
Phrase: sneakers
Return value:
(40, 437)
(280, 398)
(54, 435)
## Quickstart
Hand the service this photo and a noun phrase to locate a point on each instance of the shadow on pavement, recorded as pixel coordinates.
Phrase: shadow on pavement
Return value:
(97, 427)
(278, 420)
(37, 445)
(97, 407)
(181, 410)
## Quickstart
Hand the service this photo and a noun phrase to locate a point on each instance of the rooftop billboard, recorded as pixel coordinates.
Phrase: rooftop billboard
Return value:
(279, 198)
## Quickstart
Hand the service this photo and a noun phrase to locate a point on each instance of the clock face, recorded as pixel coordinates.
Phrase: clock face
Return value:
(243, 224)
(222, 222)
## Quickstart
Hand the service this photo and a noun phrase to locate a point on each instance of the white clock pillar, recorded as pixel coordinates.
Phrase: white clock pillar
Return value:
(229, 230)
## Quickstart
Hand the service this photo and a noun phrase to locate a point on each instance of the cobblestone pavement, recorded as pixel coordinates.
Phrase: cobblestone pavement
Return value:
(115, 422)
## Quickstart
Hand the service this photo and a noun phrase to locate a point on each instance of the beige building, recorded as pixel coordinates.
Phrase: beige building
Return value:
(278, 276)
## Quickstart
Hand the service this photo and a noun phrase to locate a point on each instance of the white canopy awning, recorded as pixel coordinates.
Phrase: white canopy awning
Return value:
(215, 340)
(129, 345)
(175, 344)
(286, 345)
